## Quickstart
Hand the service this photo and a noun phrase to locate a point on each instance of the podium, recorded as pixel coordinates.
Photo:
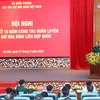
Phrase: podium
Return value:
(94, 72)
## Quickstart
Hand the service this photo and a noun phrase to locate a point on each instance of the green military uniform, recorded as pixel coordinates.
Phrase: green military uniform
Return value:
(21, 89)
(96, 49)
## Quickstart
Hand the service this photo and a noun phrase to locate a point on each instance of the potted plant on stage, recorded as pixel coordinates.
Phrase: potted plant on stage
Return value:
(93, 60)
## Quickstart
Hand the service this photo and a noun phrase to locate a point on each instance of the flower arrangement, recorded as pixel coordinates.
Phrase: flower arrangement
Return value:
(78, 87)
(32, 87)
(93, 58)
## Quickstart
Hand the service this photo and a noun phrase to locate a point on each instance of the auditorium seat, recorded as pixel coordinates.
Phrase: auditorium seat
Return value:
(2, 95)
(53, 95)
(20, 93)
(91, 98)
(48, 98)
(88, 95)
(21, 98)
(72, 94)
(31, 96)
(36, 93)
(62, 98)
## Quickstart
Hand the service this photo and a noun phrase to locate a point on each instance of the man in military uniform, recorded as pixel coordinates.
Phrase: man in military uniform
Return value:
(96, 48)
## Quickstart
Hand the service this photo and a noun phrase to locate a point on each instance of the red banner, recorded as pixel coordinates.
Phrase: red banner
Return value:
(34, 28)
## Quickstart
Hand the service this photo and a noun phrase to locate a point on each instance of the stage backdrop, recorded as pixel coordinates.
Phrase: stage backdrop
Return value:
(34, 28)
(81, 17)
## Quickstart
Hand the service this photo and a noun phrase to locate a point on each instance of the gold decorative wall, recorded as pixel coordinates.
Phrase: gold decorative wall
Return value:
(35, 63)
(97, 20)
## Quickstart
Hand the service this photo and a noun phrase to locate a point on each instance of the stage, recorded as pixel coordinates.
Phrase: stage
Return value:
(43, 74)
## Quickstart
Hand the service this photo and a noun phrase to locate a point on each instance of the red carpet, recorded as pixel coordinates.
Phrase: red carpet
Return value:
(4, 85)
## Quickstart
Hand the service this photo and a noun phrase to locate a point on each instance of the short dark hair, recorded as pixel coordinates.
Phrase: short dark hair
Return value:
(9, 97)
(65, 91)
(44, 94)
(68, 85)
(8, 90)
(49, 87)
(90, 88)
(88, 83)
(39, 97)
(14, 93)
(30, 91)
(21, 82)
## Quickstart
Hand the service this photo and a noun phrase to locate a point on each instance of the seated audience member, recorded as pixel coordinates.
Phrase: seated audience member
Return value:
(9, 97)
(65, 92)
(44, 94)
(39, 97)
(14, 93)
(30, 91)
(89, 83)
(68, 85)
(90, 89)
(89, 92)
(8, 90)
(21, 87)
(49, 88)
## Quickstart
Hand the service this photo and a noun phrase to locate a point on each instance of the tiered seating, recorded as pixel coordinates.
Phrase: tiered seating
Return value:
(51, 96)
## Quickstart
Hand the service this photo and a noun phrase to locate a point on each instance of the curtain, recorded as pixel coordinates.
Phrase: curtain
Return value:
(81, 17)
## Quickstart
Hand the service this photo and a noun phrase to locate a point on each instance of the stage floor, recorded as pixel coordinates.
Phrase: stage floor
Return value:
(43, 74)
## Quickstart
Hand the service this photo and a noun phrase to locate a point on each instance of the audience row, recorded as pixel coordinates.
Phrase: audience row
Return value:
(65, 91)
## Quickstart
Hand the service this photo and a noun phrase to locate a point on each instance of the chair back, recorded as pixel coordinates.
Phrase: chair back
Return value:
(48, 98)
(72, 94)
(88, 95)
(72, 98)
(91, 98)
(31, 96)
(2, 95)
(53, 95)
(21, 98)
(20, 93)
(36, 93)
